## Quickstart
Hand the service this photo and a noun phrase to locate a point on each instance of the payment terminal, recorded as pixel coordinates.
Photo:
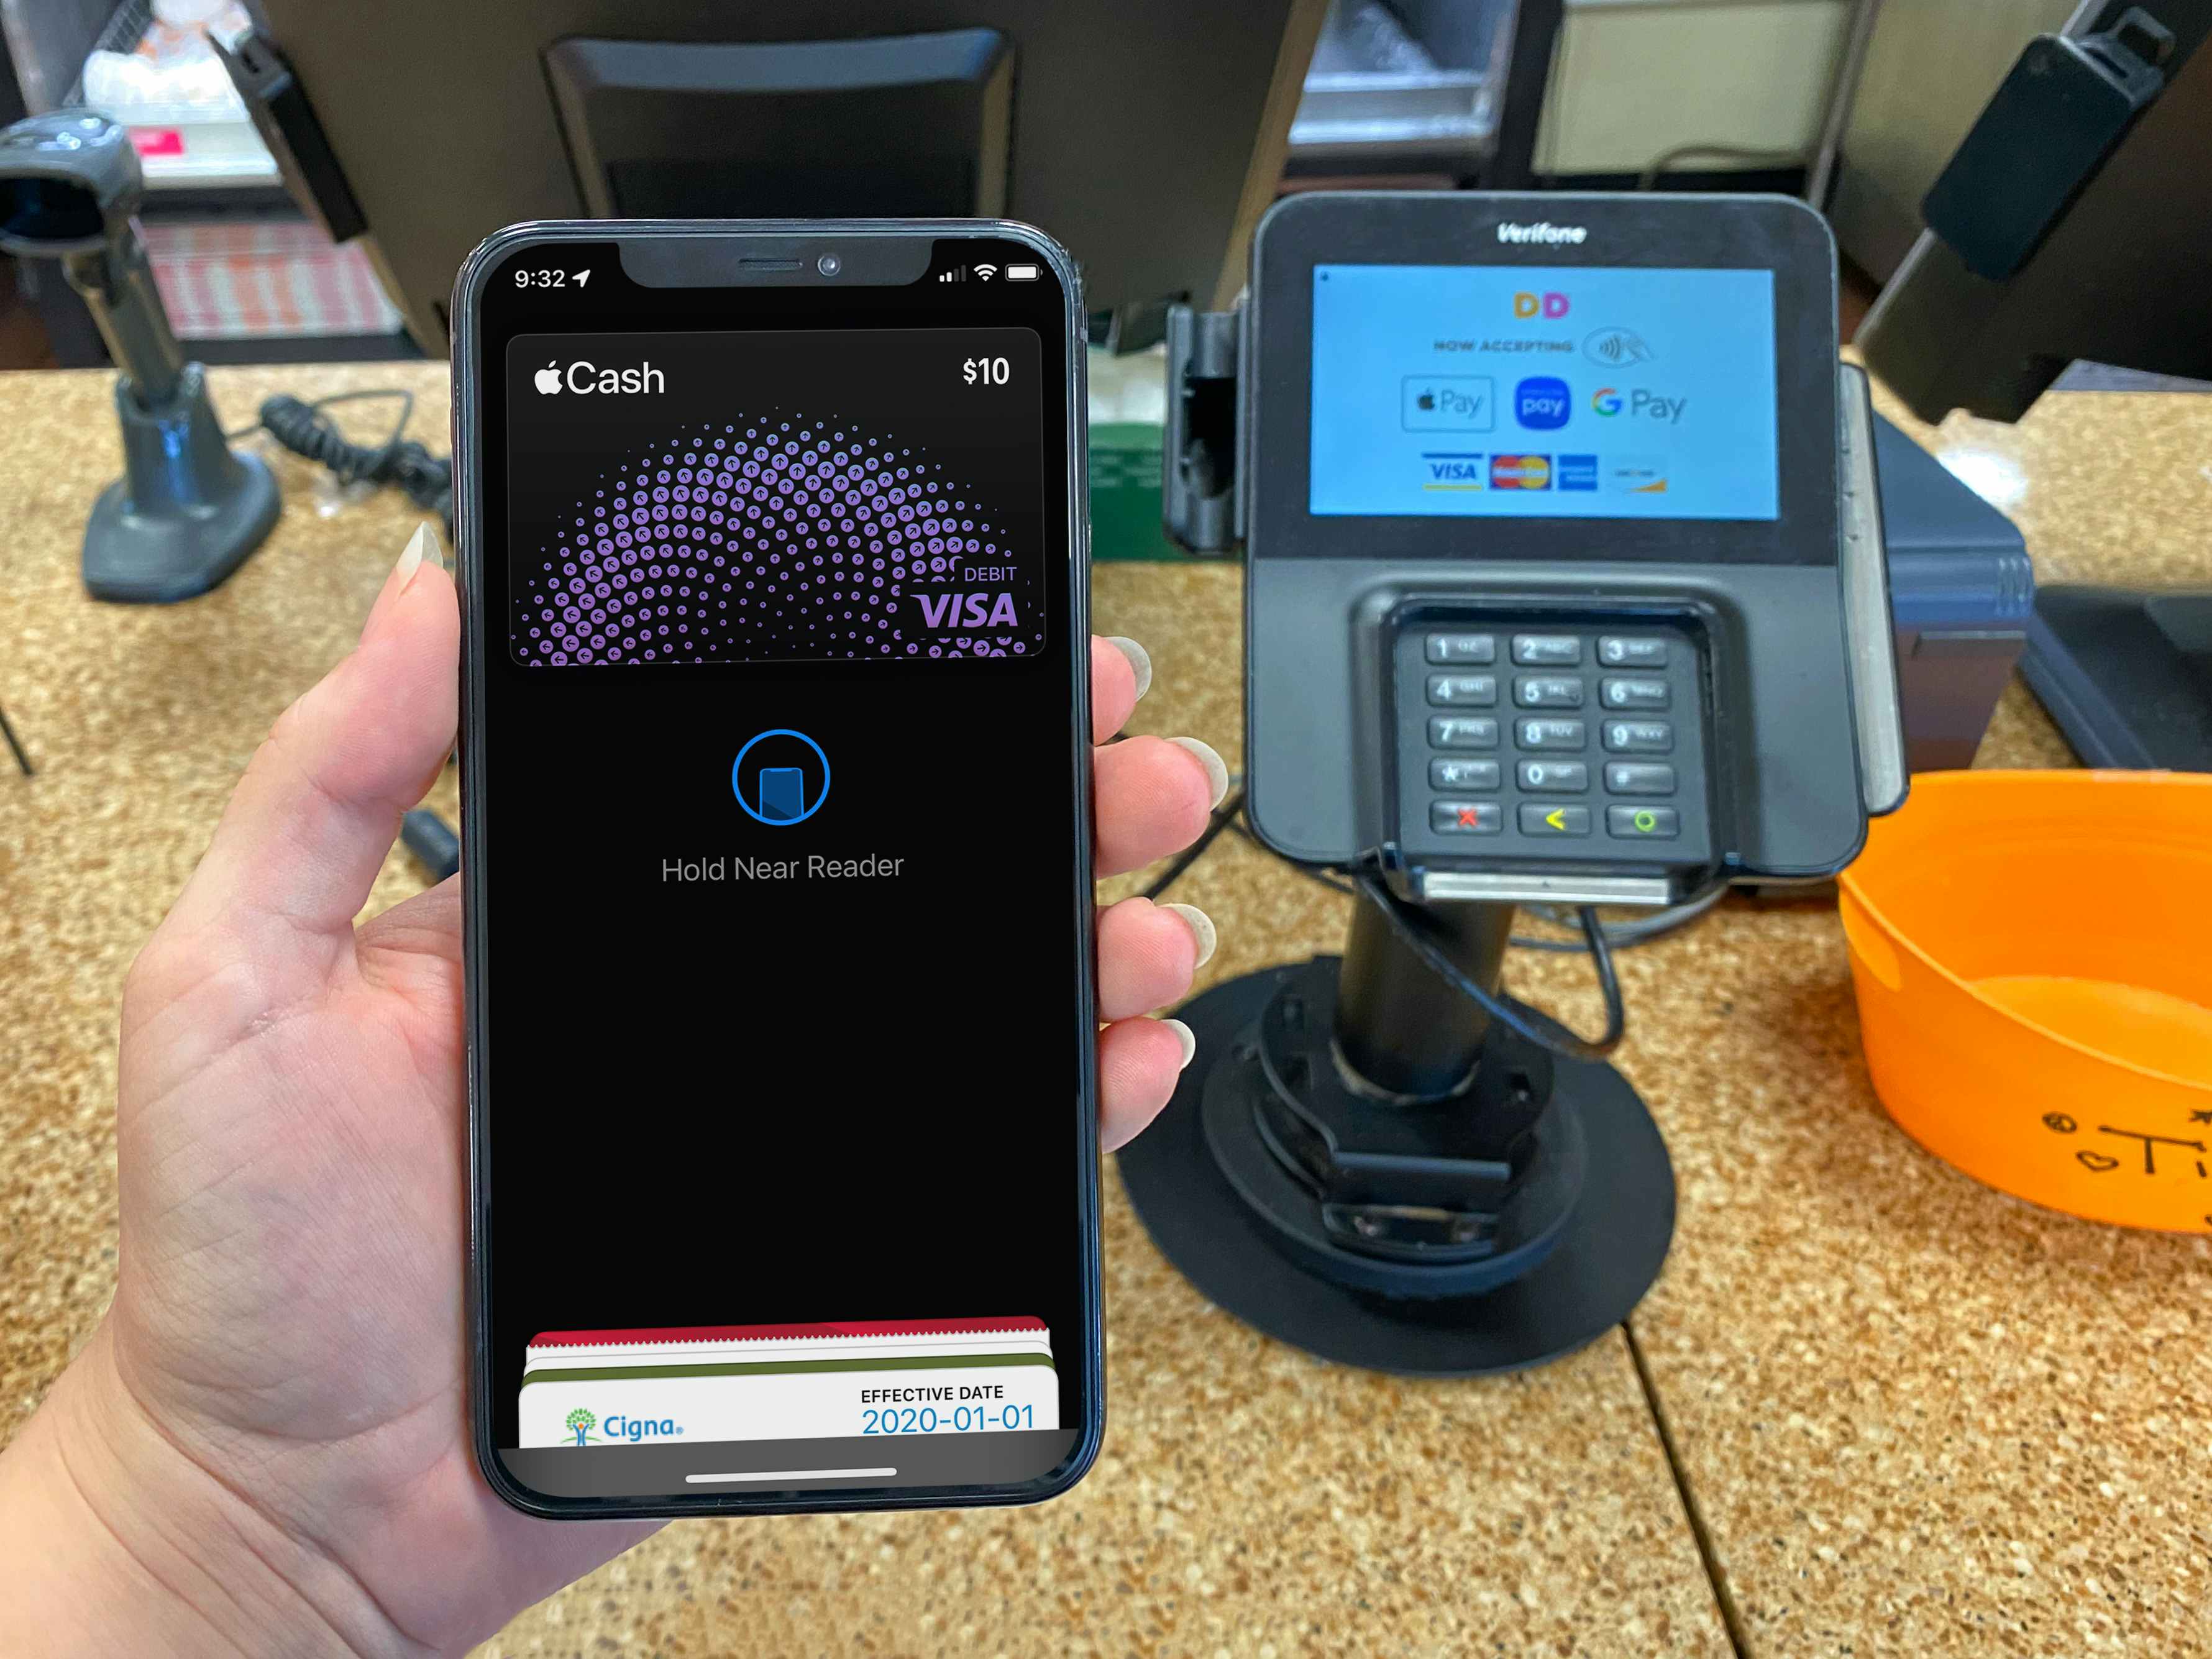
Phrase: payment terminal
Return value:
(1564, 584)
(1552, 570)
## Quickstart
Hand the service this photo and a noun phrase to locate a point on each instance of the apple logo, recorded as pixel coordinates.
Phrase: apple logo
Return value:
(1427, 400)
(549, 377)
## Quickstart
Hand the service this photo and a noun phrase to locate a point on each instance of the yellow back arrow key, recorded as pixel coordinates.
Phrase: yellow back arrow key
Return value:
(1557, 817)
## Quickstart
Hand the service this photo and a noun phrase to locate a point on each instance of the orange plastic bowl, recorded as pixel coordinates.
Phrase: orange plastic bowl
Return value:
(2032, 953)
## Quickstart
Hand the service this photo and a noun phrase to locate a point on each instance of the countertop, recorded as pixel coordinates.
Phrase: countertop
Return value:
(1907, 1415)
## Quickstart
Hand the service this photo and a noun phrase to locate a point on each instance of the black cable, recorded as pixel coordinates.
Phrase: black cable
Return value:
(15, 746)
(1624, 935)
(1516, 1016)
(309, 432)
(1532, 1024)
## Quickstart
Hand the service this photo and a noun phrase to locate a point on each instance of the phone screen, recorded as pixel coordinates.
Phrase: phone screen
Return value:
(777, 849)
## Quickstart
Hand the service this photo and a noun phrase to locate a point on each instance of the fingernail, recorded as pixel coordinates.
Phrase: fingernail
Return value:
(1187, 1037)
(419, 546)
(1201, 927)
(1141, 660)
(1217, 769)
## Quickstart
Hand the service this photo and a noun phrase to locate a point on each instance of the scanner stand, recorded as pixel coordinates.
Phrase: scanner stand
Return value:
(188, 509)
(1372, 1169)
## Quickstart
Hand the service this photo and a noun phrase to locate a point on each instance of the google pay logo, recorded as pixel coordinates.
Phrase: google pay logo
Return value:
(1605, 401)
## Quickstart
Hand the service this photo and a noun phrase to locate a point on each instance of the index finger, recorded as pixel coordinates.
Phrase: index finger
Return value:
(1115, 684)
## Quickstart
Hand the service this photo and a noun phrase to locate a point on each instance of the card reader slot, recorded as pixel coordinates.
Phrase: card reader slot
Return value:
(1884, 777)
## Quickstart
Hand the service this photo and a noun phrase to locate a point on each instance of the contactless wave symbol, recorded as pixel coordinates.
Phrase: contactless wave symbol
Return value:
(1616, 348)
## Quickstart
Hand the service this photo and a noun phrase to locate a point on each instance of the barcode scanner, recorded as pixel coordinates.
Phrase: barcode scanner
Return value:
(187, 510)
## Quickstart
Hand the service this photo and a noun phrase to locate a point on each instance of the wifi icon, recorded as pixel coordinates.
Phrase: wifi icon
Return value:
(985, 272)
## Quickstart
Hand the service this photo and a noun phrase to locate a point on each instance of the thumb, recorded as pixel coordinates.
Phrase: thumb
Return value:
(304, 835)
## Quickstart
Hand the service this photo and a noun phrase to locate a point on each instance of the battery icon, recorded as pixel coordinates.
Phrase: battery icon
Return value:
(1021, 273)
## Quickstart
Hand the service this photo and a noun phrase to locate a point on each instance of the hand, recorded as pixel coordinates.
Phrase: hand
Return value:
(265, 1447)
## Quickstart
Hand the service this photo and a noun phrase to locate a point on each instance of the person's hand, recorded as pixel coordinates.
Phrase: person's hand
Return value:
(265, 1447)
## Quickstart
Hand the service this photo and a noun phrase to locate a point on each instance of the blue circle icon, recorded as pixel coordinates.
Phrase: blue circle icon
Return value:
(780, 797)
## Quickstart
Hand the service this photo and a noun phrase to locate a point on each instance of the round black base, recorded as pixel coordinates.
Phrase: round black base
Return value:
(1606, 1257)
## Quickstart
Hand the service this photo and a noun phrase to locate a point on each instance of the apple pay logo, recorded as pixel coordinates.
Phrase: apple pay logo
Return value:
(585, 378)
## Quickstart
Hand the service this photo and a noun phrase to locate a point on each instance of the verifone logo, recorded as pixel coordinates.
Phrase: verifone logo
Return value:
(1543, 232)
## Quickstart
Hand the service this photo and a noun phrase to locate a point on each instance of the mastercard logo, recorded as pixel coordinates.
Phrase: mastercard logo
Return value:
(1520, 472)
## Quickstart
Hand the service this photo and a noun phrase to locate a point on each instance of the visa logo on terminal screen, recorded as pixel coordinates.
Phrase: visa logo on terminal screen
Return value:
(1544, 391)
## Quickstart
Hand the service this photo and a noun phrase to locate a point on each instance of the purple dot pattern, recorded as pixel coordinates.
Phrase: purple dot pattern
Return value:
(767, 539)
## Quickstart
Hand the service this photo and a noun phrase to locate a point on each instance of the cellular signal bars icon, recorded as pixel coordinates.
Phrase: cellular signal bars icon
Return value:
(957, 274)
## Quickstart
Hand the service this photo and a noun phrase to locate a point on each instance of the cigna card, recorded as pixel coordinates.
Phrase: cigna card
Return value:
(788, 1381)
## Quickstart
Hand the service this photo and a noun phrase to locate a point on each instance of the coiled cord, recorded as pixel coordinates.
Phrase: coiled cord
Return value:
(305, 431)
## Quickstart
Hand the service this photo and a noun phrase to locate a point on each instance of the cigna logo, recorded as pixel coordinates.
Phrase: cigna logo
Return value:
(1605, 401)
(583, 378)
(1550, 306)
(581, 1421)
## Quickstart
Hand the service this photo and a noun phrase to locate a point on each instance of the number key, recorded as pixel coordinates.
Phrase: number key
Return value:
(1547, 650)
(1555, 776)
(1633, 694)
(1639, 737)
(1462, 732)
(1548, 691)
(1478, 649)
(1551, 733)
(1462, 691)
(1615, 650)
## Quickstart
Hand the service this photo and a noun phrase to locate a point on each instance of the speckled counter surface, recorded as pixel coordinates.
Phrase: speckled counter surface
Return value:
(1916, 1417)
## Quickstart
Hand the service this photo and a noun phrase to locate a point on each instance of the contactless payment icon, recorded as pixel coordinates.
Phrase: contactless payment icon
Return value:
(781, 777)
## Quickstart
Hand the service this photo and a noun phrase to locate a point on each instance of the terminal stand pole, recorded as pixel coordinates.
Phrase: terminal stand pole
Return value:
(1400, 1025)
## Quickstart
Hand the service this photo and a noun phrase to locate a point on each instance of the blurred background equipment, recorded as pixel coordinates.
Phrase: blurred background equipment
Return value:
(1148, 135)
(187, 510)
(248, 274)
(2076, 223)
(287, 214)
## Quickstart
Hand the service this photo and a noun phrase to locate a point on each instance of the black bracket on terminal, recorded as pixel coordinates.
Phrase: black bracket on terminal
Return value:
(1201, 500)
